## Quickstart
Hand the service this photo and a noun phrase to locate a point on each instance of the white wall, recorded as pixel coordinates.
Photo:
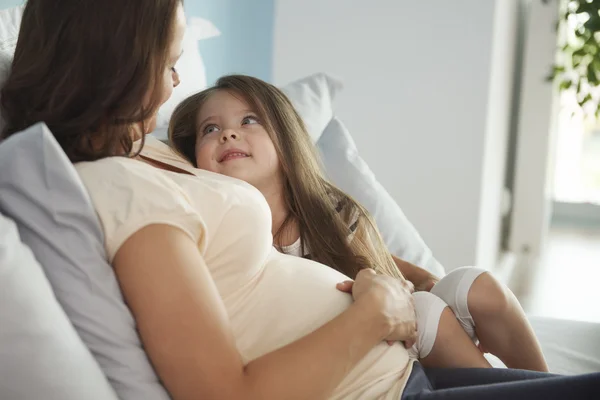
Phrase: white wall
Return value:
(532, 187)
(499, 107)
(418, 83)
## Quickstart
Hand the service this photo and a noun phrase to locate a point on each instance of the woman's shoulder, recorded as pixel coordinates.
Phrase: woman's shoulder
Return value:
(131, 178)
(104, 169)
(129, 194)
(116, 183)
(115, 173)
(110, 167)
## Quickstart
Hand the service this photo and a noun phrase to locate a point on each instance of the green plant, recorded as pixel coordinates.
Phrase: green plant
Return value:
(578, 62)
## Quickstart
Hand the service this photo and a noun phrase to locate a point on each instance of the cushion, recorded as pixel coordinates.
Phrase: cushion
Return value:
(41, 355)
(41, 191)
(313, 99)
(347, 170)
(10, 21)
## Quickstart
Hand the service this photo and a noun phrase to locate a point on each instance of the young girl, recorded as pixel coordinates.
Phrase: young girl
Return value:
(248, 129)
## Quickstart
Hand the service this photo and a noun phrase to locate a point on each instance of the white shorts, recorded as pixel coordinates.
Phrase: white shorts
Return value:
(451, 291)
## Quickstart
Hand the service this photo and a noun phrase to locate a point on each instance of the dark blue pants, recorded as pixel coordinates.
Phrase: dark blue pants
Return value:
(497, 384)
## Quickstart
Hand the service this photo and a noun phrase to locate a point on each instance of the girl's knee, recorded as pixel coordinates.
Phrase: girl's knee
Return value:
(489, 297)
(455, 289)
(428, 306)
(429, 309)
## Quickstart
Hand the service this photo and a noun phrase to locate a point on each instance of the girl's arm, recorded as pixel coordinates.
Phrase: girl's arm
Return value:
(187, 335)
(421, 278)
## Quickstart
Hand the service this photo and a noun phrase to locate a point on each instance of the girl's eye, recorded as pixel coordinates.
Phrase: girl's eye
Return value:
(249, 120)
(210, 129)
(174, 70)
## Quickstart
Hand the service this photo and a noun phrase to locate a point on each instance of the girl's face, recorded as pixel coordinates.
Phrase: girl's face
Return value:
(232, 141)
(170, 78)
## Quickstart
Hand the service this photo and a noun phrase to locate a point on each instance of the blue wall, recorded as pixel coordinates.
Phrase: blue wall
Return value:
(246, 42)
(10, 3)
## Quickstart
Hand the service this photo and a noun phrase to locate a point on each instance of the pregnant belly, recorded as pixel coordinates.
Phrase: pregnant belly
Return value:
(291, 298)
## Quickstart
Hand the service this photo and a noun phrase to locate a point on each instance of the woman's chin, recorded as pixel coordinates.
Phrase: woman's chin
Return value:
(150, 125)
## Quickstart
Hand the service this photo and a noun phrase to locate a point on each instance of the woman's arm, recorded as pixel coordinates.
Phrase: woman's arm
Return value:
(186, 332)
(421, 278)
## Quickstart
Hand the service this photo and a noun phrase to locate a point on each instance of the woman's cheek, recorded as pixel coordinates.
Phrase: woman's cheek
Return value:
(167, 90)
(150, 125)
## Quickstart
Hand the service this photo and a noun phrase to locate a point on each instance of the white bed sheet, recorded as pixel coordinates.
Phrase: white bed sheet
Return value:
(570, 347)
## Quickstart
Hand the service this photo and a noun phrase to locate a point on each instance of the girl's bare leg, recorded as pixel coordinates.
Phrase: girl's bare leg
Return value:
(501, 325)
(453, 348)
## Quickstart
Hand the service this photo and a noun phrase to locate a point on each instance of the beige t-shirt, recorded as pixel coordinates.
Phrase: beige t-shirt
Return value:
(272, 299)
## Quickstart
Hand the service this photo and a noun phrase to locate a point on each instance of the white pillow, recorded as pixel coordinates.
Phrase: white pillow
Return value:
(313, 99)
(10, 21)
(41, 355)
(350, 172)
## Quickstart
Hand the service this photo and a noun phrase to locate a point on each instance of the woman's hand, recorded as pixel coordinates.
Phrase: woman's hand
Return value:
(390, 300)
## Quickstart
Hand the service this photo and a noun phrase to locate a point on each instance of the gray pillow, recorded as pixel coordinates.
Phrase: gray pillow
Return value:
(41, 191)
(41, 356)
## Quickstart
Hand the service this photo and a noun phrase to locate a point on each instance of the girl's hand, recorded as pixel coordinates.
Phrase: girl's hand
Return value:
(427, 284)
(390, 300)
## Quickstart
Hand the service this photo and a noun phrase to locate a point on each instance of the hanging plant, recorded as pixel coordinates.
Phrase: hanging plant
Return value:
(578, 65)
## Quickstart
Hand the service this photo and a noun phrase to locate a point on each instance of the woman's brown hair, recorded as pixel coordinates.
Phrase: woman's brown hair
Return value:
(311, 200)
(85, 68)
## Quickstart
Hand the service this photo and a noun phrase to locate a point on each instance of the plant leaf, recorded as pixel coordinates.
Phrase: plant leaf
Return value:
(565, 85)
(580, 52)
(592, 24)
(591, 75)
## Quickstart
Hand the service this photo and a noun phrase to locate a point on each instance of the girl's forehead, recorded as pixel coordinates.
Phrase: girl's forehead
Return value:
(235, 98)
(223, 104)
(223, 101)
